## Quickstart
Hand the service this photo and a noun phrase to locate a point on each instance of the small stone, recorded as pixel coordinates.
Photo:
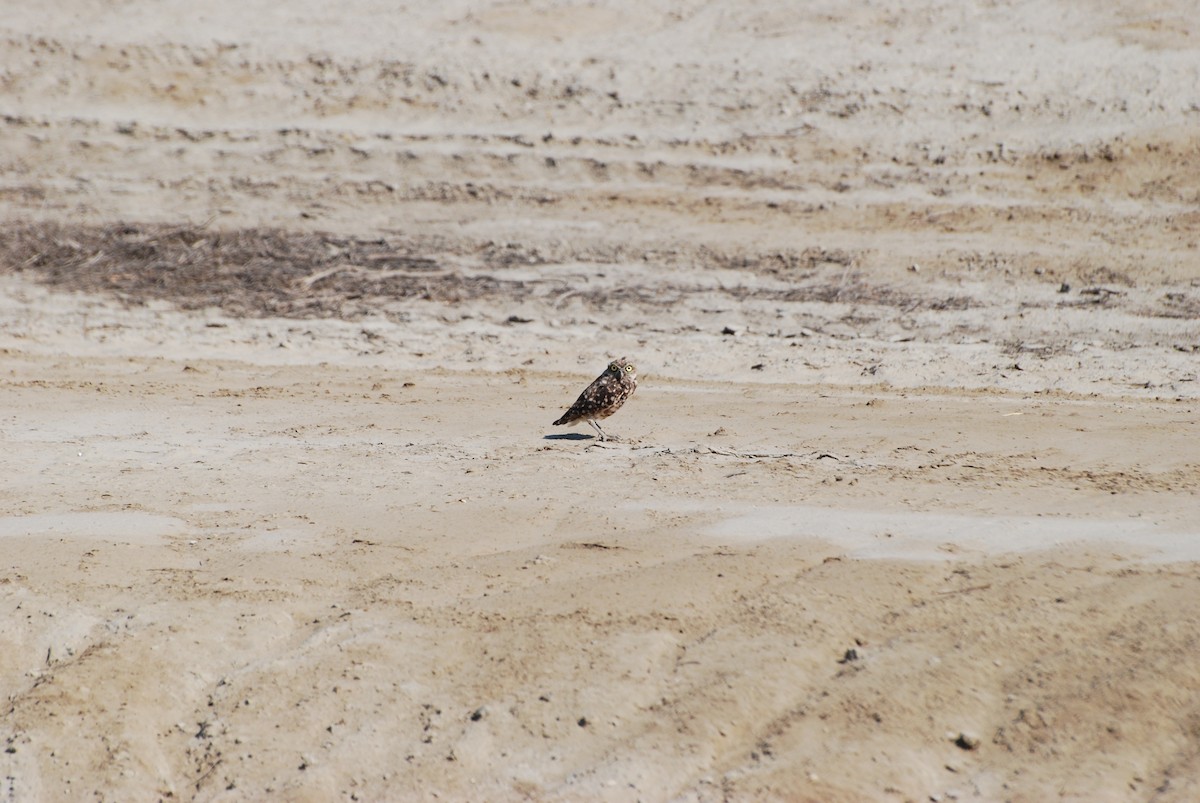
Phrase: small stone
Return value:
(967, 741)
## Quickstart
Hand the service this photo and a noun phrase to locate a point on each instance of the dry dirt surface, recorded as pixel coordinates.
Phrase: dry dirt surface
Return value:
(905, 506)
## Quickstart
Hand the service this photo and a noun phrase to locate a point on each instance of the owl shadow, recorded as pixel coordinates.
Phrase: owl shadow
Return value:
(569, 436)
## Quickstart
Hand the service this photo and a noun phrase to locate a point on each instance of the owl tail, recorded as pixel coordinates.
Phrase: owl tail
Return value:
(569, 417)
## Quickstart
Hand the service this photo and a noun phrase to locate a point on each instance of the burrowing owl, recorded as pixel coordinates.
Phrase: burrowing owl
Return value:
(603, 397)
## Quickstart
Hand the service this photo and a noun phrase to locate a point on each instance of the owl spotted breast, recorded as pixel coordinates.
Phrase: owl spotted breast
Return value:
(604, 396)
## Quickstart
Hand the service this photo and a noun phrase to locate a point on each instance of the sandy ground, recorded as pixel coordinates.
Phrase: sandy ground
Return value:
(904, 508)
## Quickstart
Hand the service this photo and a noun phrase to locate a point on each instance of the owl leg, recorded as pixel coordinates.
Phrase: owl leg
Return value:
(596, 425)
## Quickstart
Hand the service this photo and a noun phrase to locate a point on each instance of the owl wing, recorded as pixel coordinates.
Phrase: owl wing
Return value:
(589, 400)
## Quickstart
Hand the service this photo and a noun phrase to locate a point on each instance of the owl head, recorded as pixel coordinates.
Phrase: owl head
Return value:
(623, 369)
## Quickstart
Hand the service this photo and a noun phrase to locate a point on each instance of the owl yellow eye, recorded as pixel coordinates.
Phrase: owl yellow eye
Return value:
(628, 367)
(615, 367)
